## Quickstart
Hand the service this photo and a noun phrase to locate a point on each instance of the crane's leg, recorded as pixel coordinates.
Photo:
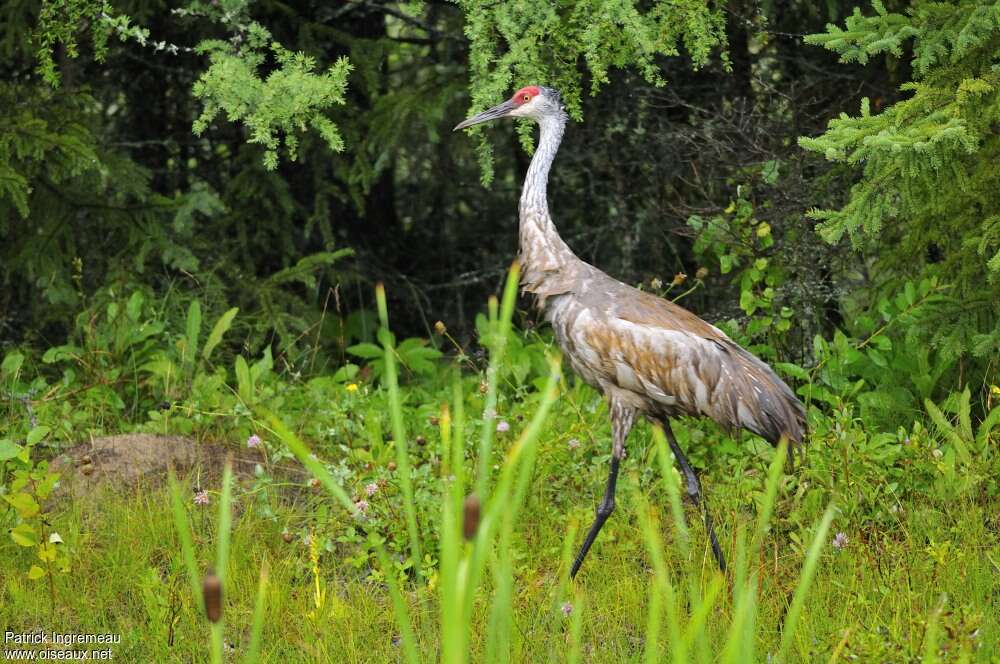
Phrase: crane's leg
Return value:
(694, 492)
(622, 418)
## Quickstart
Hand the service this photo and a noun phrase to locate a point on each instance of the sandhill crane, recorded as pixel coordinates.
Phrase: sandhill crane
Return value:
(644, 353)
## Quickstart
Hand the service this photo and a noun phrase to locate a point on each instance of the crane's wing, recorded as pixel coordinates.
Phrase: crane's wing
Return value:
(653, 347)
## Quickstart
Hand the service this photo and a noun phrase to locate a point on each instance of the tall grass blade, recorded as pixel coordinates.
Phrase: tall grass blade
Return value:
(699, 615)
(671, 483)
(225, 523)
(222, 556)
(312, 464)
(671, 480)
(498, 634)
(565, 563)
(218, 330)
(932, 634)
(187, 542)
(257, 628)
(661, 589)
(774, 474)
(458, 435)
(735, 649)
(500, 502)
(400, 609)
(454, 564)
(192, 331)
(805, 579)
(399, 433)
(575, 653)
(500, 329)
(444, 420)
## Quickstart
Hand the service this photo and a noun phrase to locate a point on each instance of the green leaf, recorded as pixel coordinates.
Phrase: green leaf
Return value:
(991, 422)
(221, 327)
(8, 449)
(793, 370)
(193, 330)
(366, 350)
(243, 380)
(263, 366)
(24, 503)
(36, 435)
(950, 432)
(345, 373)
(35, 572)
(770, 171)
(44, 487)
(964, 414)
(385, 337)
(133, 308)
(304, 271)
(60, 353)
(47, 552)
(11, 364)
(24, 534)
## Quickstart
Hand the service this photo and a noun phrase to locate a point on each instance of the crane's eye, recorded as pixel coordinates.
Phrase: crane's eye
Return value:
(527, 97)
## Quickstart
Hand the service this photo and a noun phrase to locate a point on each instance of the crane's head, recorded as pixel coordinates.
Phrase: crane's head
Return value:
(533, 101)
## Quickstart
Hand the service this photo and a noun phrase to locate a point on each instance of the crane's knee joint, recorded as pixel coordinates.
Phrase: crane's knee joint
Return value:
(604, 510)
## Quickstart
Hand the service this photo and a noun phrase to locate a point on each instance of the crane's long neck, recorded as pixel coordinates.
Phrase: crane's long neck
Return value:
(545, 258)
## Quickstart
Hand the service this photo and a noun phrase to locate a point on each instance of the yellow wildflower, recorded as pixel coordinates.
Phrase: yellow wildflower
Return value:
(352, 387)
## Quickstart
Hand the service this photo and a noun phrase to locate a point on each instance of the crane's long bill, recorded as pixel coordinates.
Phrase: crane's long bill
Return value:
(498, 111)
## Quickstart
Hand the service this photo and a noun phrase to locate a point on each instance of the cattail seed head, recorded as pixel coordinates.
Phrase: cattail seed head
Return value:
(440, 328)
(701, 273)
(211, 590)
(470, 516)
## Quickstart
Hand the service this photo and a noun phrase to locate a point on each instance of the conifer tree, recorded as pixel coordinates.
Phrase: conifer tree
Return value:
(927, 195)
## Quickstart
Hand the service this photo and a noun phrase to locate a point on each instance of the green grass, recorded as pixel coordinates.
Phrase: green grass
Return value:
(878, 592)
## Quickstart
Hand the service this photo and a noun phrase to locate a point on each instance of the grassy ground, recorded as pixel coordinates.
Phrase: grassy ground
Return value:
(871, 598)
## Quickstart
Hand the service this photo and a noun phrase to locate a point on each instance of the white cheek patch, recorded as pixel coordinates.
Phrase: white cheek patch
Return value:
(524, 110)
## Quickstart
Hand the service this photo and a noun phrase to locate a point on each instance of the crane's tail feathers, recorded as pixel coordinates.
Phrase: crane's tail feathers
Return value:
(774, 412)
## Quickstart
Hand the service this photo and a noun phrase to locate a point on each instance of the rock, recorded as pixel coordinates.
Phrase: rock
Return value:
(127, 460)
